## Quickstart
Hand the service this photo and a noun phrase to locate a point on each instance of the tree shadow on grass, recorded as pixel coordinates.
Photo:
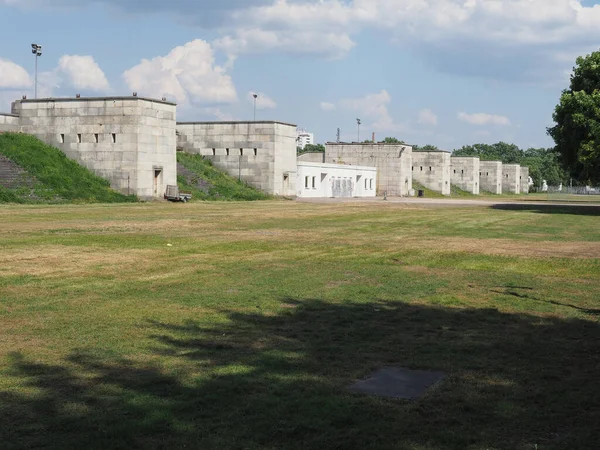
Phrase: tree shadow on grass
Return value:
(266, 381)
(575, 209)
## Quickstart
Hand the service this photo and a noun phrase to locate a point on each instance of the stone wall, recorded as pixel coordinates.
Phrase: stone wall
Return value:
(393, 163)
(524, 179)
(314, 157)
(490, 176)
(511, 178)
(263, 154)
(129, 141)
(319, 180)
(464, 173)
(432, 170)
(9, 123)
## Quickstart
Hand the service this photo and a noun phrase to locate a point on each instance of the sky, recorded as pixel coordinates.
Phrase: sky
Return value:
(442, 72)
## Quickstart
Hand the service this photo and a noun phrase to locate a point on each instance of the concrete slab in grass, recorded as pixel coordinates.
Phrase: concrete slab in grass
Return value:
(397, 382)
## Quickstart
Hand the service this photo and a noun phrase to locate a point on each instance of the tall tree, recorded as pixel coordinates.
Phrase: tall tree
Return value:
(392, 140)
(577, 117)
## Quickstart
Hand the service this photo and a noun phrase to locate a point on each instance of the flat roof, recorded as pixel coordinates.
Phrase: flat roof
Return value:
(9, 114)
(88, 99)
(396, 144)
(335, 166)
(270, 122)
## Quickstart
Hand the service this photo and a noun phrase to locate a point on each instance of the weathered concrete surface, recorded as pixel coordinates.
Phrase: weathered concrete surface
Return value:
(465, 173)
(263, 154)
(432, 170)
(524, 180)
(129, 141)
(9, 123)
(490, 176)
(319, 180)
(314, 157)
(511, 178)
(393, 163)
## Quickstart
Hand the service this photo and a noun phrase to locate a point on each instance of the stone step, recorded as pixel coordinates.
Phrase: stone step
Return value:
(13, 176)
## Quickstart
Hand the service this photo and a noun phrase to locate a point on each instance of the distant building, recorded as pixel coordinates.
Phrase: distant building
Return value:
(304, 138)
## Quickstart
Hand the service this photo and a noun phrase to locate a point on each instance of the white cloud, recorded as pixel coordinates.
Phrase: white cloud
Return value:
(374, 107)
(480, 119)
(83, 73)
(187, 74)
(263, 101)
(427, 117)
(326, 106)
(13, 76)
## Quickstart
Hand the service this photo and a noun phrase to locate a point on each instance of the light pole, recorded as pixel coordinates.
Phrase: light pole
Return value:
(255, 97)
(37, 51)
(358, 122)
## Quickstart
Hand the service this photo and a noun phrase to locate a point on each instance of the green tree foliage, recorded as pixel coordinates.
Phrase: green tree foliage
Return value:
(392, 140)
(577, 118)
(426, 148)
(543, 163)
(312, 148)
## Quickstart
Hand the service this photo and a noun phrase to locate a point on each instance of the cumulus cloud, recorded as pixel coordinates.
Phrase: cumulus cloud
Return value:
(83, 73)
(187, 74)
(374, 107)
(427, 117)
(263, 101)
(13, 76)
(501, 39)
(326, 106)
(480, 119)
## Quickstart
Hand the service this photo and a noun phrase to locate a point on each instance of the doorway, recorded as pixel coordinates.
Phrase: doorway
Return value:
(158, 183)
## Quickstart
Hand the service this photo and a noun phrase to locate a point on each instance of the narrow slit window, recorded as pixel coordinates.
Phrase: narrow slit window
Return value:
(421, 168)
(306, 181)
(314, 182)
(227, 151)
(114, 138)
(241, 152)
(214, 152)
(79, 138)
(462, 171)
(255, 152)
(430, 168)
(97, 137)
(62, 138)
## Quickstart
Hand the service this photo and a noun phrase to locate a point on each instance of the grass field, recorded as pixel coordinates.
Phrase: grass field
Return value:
(241, 325)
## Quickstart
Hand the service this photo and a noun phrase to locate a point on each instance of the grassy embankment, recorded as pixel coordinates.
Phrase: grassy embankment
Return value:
(240, 325)
(50, 176)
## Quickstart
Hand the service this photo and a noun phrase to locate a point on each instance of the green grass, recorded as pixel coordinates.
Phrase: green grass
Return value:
(58, 179)
(219, 185)
(240, 326)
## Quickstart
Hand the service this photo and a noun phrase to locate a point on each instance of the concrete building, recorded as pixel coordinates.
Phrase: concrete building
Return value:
(490, 176)
(129, 141)
(393, 163)
(9, 123)
(304, 138)
(511, 178)
(315, 157)
(319, 180)
(524, 180)
(263, 154)
(432, 170)
(464, 173)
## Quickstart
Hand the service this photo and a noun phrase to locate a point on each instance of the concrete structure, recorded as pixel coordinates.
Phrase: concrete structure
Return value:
(129, 141)
(464, 173)
(511, 178)
(524, 180)
(315, 157)
(9, 123)
(263, 154)
(304, 138)
(432, 170)
(393, 162)
(490, 176)
(335, 180)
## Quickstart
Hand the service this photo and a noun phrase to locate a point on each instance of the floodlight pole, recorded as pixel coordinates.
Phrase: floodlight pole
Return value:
(37, 51)
(358, 123)
(255, 97)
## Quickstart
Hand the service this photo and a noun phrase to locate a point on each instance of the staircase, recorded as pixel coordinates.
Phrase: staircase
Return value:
(13, 176)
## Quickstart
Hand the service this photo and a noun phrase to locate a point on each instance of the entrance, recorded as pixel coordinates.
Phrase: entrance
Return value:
(158, 183)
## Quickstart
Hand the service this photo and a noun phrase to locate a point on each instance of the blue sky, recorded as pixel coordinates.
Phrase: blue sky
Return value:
(443, 72)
